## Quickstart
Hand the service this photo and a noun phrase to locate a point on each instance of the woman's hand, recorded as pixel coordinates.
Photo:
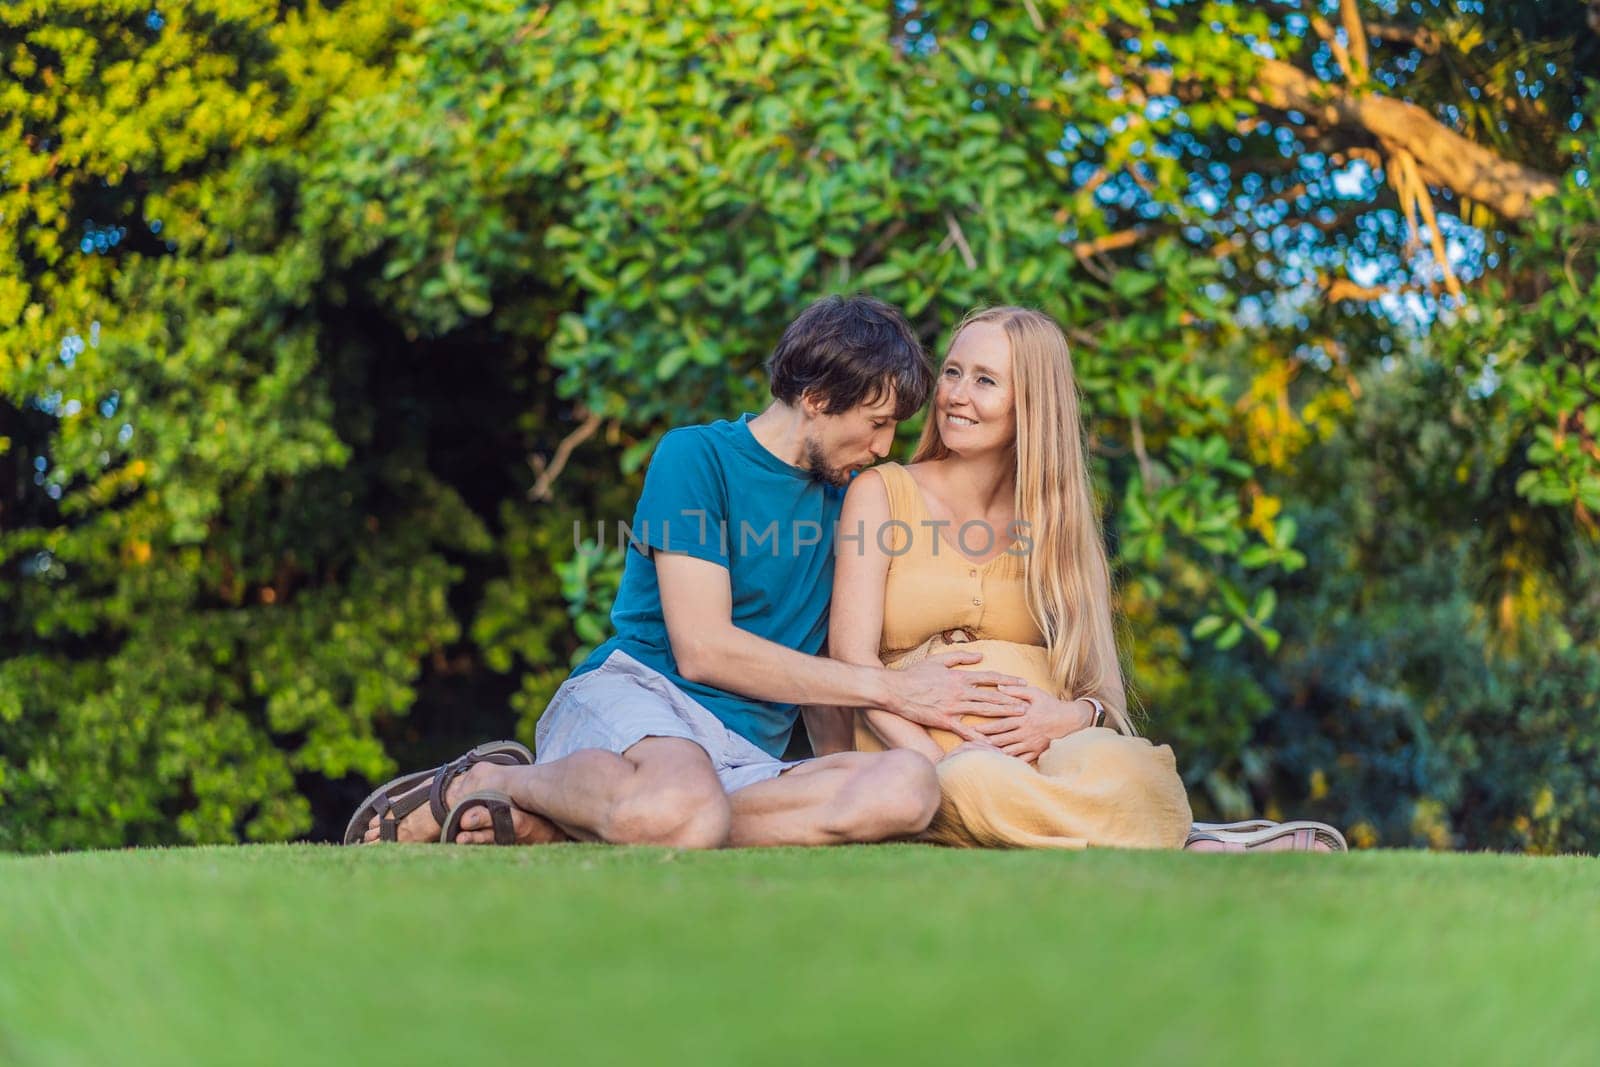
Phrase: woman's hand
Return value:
(1045, 719)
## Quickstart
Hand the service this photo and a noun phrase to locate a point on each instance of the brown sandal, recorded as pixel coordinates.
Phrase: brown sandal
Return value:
(399, 797)
(499, 806)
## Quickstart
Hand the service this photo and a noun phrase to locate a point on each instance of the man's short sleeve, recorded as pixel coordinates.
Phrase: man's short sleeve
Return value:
(684, 506)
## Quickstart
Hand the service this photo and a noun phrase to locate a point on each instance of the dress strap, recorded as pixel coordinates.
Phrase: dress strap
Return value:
(905, 497)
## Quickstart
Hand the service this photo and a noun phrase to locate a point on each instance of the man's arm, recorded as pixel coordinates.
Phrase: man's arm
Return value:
(698, 604)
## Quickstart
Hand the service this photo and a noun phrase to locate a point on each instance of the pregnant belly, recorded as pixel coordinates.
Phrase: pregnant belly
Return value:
(1028, 662)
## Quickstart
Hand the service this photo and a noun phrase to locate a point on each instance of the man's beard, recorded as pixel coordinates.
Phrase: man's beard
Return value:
(817, 464)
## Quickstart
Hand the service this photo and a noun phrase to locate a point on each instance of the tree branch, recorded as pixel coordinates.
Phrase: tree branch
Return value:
(884, 239)
(1109, 242)
(1340, 55)
(1444, 157)
(1356, 37)
(959, 239)
(1421, 38)
(1336, 289)
(549, 472)
(1447, 158)
(1345, 289)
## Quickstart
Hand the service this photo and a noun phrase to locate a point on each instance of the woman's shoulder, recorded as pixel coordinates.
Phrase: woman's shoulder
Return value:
(878, 479)
(926, 480)
(885, 490)
(868, 488)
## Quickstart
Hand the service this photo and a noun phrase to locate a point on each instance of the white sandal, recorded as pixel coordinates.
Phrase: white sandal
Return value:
(1304, 834)
(1233, 827)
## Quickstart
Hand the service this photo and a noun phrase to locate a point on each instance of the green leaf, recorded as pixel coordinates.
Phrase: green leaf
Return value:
(1230, 637)
(880, 274)
(559, 236)
(474, 303)
(672, 362)
(1132, 284)
(634, 455)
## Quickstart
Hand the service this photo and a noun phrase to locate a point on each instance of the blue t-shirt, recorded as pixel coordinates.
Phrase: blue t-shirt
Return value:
(715, 493)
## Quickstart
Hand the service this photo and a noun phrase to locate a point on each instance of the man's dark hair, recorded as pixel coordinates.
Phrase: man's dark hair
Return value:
(847, 350)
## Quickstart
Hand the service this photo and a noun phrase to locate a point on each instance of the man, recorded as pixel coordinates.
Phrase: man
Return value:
(672, 732)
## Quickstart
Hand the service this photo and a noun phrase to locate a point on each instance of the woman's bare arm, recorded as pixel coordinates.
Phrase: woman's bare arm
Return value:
(855, 619)
(830, 729)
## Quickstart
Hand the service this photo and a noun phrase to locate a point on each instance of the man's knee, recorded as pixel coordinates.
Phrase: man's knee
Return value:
(688, 814)
(896, 795)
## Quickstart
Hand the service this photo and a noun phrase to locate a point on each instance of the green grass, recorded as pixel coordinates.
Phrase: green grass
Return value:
(580, 954)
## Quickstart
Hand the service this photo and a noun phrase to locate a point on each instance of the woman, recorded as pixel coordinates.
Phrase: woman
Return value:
(991, 538)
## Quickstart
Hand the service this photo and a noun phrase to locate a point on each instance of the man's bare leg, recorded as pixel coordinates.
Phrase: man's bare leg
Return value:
(845, 798)
(662, 791)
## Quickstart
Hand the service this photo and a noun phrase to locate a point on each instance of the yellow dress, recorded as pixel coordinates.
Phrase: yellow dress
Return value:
(1094, 787)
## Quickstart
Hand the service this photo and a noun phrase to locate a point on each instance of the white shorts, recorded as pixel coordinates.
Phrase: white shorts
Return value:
(622, 702)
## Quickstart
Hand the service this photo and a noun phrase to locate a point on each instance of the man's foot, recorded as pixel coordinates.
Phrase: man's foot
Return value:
(420, 825)
(477, 828)
(393, 802)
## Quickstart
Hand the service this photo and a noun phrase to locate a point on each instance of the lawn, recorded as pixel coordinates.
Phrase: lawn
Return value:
(581, 954)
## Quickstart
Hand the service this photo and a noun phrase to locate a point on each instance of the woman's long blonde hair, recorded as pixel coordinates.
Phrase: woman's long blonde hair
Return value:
(1068, 577)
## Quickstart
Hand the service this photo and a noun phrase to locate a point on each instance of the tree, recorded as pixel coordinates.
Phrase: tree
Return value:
(331, 320)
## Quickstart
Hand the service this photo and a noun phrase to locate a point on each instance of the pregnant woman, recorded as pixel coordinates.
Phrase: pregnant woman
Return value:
(990, 539)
